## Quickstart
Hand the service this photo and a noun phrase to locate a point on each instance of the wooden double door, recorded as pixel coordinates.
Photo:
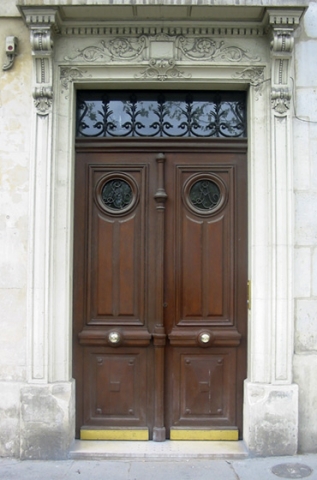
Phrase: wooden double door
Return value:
(160, 288)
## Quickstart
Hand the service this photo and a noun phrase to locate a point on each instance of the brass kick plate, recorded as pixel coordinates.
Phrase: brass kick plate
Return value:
(114, 434)
(199, 434)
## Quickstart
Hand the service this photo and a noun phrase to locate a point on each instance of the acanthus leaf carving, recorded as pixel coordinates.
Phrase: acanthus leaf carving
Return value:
(206, 48)
(117, 48)
(162, 69)
(69, 74)
(255, 75)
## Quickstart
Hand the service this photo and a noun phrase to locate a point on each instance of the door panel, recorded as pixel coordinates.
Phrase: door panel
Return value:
(116, 384)
(116, 247)
(203, 387)
(160, 276)
(202, 285)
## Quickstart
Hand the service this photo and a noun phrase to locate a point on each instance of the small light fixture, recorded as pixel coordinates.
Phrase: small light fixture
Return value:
(11, 51)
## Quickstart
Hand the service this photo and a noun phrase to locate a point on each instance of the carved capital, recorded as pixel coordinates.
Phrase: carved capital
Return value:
(42, 23)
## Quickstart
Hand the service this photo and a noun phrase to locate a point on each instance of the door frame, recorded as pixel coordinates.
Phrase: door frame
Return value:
(271, 320)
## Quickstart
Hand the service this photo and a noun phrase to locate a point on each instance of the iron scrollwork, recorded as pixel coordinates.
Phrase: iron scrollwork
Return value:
(161, 114)
(204, 194)
(116, 194)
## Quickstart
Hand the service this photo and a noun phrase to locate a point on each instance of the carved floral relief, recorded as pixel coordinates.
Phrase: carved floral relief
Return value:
(162, 69)
(206, 48)
(189, 47)
(118, 48)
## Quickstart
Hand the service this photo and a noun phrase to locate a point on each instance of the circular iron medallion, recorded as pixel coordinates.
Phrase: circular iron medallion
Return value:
(117, 193)
(205, 193)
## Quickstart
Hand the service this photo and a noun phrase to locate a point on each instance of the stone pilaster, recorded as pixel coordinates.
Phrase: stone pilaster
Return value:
(42, 23)
(47, 409)
(283, 25)
(271, 409)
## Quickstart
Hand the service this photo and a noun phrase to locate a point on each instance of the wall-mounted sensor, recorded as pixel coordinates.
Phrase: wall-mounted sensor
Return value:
(11, 51)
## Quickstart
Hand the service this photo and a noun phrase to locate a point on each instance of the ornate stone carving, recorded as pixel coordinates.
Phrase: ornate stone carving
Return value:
(283, 25)
(42, 25)
(43, 99)
(206, 48)
(69, 74)
(256, 77)
(116, 48)
(280, 99)
(162, 69)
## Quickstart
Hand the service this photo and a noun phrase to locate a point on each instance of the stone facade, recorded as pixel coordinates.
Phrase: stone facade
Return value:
(273, 55)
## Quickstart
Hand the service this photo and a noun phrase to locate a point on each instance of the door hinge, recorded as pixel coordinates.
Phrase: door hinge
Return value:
(249, 294)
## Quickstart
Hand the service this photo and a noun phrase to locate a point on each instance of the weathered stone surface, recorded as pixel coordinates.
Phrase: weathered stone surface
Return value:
(306, 326)
(15, 133)
(47, 420)
(305, 368)
(271, 421)
(8, 9)
(10, 419)
(302, 272)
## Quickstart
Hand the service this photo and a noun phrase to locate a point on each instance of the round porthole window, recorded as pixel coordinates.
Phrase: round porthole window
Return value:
(205, 193)
(117, 193)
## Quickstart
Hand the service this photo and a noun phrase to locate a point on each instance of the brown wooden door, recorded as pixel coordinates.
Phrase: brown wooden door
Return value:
(160, 275)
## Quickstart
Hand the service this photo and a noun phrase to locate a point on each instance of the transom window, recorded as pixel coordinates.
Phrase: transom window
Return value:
(150, 113)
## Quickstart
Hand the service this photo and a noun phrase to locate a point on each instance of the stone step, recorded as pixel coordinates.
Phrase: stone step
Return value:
(169, 450)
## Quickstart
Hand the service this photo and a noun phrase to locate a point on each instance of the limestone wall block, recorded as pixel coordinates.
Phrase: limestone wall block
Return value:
(305, 367)
(306, 325)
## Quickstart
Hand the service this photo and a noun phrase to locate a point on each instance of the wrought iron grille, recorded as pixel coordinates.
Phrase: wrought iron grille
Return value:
(116, 194)
(204, 194)
(161, 114)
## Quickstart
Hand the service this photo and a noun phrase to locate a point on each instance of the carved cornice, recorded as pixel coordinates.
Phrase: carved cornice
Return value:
(282, 25)
(170, 30)
(43, 23)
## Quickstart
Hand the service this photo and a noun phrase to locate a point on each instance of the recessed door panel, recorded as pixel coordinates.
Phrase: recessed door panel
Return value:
(116, 245)
(116, 387)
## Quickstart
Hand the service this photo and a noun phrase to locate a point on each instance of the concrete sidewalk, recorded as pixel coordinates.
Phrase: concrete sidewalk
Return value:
(246, 469)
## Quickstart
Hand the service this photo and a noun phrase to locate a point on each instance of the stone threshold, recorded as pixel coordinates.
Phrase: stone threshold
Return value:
(169, 450)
